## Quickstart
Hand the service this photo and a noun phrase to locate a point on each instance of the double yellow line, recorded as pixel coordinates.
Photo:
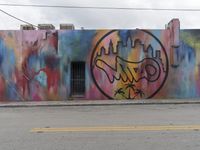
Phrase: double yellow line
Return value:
(119, 128)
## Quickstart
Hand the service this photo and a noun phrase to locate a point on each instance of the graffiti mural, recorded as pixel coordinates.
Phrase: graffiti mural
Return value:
(33, 71)
(118, 64)
(132, 69)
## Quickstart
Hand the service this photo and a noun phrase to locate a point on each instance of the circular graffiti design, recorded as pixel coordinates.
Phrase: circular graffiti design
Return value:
(129, 64)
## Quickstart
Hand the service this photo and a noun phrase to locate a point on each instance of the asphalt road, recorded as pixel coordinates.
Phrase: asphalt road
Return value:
(135, 127)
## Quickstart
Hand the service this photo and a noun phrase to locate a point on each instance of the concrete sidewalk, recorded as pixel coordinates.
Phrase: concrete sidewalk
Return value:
(97, 102)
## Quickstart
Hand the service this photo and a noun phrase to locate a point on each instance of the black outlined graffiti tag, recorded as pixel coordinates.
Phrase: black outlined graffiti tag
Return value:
(136, 68)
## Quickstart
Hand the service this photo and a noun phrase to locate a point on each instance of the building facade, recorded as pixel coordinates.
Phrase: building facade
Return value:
(40, 65)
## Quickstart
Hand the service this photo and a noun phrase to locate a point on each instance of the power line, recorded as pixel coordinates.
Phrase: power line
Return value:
(103, 8)
(17, 18)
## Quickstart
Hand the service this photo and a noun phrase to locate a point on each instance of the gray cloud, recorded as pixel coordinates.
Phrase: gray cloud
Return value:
(91, 19)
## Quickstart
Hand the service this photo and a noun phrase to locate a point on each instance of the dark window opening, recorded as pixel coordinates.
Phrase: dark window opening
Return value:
(78, 79)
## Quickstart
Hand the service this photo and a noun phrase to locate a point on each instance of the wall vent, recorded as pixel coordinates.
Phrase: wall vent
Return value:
(46, 27)
(67, 27)
(27, 27)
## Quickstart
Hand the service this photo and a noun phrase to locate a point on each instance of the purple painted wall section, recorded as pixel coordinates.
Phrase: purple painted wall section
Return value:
(119, 64)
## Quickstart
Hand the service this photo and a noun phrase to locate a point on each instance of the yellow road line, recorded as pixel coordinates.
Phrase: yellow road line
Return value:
(119, 128)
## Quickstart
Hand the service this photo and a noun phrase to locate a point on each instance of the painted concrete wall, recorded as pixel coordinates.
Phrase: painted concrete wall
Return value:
(120, 64)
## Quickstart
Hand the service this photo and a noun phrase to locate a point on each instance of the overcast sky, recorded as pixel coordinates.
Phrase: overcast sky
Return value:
(93, 19)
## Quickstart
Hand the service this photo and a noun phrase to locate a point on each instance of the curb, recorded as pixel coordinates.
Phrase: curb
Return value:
(95, 103)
